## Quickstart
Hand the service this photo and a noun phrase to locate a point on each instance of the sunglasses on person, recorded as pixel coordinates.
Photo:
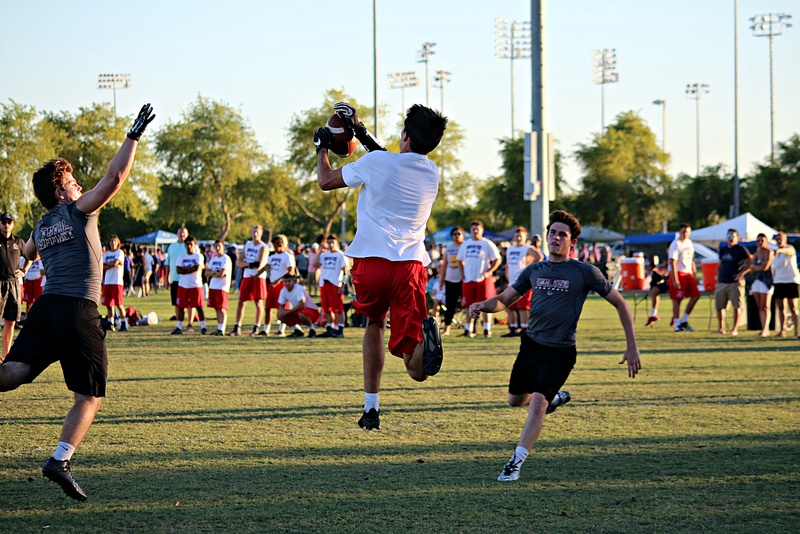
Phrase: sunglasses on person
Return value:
(456, 233)
(730, 236)
(6, 221)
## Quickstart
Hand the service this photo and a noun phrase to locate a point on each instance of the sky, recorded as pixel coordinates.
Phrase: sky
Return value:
(272, 60)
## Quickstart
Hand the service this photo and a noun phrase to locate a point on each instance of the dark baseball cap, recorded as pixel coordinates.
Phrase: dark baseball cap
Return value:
(6, 217)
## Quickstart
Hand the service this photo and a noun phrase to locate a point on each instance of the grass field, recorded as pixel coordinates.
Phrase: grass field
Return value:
(207, 434)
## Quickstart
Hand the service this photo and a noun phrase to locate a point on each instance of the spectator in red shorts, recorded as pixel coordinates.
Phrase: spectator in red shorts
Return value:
(113, 288)
(682, 279)
(218, 273)
(190, 286)
(332, 264)
(301, 310)
(278, 264)
(253, 286)
(479, 259)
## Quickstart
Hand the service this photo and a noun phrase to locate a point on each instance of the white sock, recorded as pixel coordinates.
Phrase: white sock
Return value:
(520, 453)
(653, 312)
(311, 327)
(282, 328)
(202, 324)
(486, 326)
(221, 327)
(341, 326)
(371, 401)
(685, 318)
(179, 325)
(468, 326)
(267, 326)
(64, 451)
(513, 326)
(298, 328)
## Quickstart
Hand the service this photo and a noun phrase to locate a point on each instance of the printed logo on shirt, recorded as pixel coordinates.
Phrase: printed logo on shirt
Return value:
(329, 263)
(190, 262)
(514, 256)
(53, 235)
(551, 285)
(473, 251)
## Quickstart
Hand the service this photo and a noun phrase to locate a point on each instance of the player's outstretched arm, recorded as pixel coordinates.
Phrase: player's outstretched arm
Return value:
(632, 350)
(495, 304)
(349, 114)
(119, 168)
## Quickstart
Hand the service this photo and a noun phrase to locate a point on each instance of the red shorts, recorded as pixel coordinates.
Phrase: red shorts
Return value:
(112, 295)
(473, 292)
(253, 288)
(381, 285)
(217, 299)
(688, 287)
(332, 301)
(32, 290)
(524, 303)
(190, 297)
(294, 318)
(273, 291)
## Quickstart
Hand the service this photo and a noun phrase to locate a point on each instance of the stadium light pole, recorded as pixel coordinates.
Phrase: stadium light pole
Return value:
(441, 78)
(771, 26)
(604, 72)
(401, 80)
(423, 56)
(374, 78)
(663, 104)
(513, 42)
(696, 91)
(735, 207)
(114, 82)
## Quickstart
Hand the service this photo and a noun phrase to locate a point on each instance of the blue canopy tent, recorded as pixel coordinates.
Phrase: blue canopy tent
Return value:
(156, 237)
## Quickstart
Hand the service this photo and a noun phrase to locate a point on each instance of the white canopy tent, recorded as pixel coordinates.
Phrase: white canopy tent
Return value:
(746, 224)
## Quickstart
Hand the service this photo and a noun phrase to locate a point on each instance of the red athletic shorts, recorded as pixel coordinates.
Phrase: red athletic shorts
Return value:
(524, 303)
(112, 295)
(32, 290)
(273, 292)
(332, 301)
(217, 299)
(473, 292)
(688, 287)
(253, 288)
(294, 318)
(381, 285)
(190, 297)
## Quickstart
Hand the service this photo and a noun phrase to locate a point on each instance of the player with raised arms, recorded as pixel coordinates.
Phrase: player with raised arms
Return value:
(547, 350)
(389, 256)
(64, 324)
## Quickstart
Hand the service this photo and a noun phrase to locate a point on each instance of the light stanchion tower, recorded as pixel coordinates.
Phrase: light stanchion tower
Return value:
(513, 41)
(401, 80)
(663, 104)
(424, 56)
(114, 82)
(771, 26)
(441, 78)
(696, 91)
(604, 72)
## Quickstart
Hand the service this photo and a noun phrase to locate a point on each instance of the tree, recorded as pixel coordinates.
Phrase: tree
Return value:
(774, 192)
(214, 172)
(625, 185)
(703, 200)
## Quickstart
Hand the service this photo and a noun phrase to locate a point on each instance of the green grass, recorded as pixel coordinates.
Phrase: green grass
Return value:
(205, 434)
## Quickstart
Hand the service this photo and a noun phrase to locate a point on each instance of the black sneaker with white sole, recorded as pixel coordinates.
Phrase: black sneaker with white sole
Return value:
(370, 420)
(561, 398)
(432, 353)
(59, 472)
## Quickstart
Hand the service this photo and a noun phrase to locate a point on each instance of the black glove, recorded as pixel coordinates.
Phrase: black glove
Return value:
(254, 265)
(348, 114)
(322, 138)
(140, 124)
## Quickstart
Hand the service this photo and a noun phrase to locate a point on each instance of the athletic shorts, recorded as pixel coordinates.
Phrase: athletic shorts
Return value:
(472, 292)
(688, 287)
(173, 293)
(523, 304)
(10, 300)
(217, 299)
(32, 290)
(253, 288)
(273, 292)
(540, 369)
(294, 318)
(785, 291)
(758, 286)
(332, 301)
(67, 330)
(663, 287)
(112, 295)
(381, 285)
(732, 292)
(190, 297)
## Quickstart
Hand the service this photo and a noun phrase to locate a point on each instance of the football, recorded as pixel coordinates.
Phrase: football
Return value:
(343, 142)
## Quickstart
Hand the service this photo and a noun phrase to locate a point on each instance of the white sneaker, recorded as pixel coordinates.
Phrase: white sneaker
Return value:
(510, 471)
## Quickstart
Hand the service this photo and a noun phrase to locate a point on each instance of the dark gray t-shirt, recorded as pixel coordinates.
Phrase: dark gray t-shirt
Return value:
(69, 245)
(559, 291)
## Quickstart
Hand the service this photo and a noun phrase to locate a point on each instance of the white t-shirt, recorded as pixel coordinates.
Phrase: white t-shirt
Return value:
(34, 271)
(279, 264)
(516, 261)
(251, 253)
(220, 263)
(297, 295)
(173, 253)
(476, 256)
(785, 269)
(113, 276)
(394, 205)
(683, 254)
(194, 279)
(452, 273)
(331, 265)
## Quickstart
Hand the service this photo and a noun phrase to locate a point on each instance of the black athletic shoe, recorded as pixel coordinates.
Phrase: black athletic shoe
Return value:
(337, 333)
(177, 332)
(513, 333)
(370, 420)
(312, 333)
(204, 331)
(58, 472)
(297, 333)
(561, 398)
(236, 331)
(432, 353)
(219, 333)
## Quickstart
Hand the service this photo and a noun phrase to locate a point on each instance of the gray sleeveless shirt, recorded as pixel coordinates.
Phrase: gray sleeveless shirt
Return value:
(69, 244)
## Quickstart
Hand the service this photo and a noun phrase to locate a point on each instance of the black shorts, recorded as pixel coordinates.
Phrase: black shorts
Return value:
(540, 369)
(9, 300)
(173, 293)
(663, 287)
(67, 330)
(784, 291)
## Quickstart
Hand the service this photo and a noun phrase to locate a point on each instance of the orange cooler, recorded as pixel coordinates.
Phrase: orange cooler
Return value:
(632, 276)
(709, 268)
